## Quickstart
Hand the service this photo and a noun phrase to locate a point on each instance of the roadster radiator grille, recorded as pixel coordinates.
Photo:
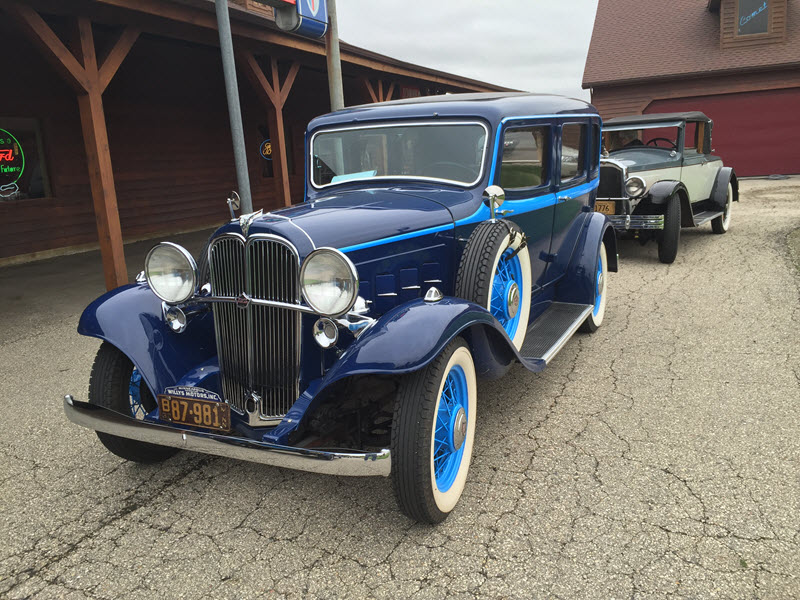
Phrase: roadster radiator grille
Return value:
(611, 184)
(258, 346)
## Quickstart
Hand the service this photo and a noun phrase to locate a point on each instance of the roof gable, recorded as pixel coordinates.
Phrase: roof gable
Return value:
(634, 40)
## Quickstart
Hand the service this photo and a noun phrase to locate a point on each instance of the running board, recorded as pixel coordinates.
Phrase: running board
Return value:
(552, 330)
(705, 216)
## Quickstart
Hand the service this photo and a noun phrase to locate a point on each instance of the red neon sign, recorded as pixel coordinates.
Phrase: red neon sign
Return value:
(7, 154)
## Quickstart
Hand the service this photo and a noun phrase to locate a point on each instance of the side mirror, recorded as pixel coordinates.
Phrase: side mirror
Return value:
(234, 202)
(493, 197)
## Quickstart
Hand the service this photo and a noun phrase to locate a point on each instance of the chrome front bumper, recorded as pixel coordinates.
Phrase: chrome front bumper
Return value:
(625, 222)
(358, 464)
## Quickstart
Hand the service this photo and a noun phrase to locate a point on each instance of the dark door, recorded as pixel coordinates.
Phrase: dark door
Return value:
(526, 175)
(572, 195)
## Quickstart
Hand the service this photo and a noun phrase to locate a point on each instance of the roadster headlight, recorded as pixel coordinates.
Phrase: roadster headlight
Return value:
(329, 282)
(171, 272)
(635, 186)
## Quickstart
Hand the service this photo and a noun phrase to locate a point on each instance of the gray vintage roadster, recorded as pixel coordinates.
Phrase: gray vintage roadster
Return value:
(658, 174)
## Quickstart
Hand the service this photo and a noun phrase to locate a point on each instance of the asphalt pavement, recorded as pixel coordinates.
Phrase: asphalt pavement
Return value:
(658, 457)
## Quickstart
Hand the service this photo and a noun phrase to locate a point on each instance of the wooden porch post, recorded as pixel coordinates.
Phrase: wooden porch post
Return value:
(274, 95)
(89, 82)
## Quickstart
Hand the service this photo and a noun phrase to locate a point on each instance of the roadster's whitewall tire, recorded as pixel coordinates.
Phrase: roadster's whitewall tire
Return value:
(433, 432)
(723, 222)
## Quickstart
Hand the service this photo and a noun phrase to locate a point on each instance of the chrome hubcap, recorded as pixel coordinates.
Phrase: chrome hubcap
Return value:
(459, 429)
(512, 300)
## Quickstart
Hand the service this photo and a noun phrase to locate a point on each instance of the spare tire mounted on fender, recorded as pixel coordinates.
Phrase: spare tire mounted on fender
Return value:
(495, 272)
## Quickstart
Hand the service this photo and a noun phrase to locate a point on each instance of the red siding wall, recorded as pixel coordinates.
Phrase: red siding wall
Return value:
(756, 133)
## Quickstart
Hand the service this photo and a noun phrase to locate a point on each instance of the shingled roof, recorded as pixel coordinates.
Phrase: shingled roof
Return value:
(634, 41)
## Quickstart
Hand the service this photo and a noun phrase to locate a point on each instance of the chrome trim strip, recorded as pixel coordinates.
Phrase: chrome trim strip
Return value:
(565, 337)
(344, 463)
(447, 121)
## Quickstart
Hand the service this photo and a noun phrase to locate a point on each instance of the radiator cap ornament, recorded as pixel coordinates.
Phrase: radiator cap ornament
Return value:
(246, 220)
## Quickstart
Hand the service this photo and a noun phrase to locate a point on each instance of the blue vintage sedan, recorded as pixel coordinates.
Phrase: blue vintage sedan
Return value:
(441, 239)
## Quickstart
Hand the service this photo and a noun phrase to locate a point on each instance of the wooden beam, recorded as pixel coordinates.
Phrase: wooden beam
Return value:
(380, 90)
(104, 194)
(257, 79)
(88, 55)
(52, 48)
(280, 161)
(389, 93)
(274, 96)
(371, 91)
(289, 82)
(117, 54)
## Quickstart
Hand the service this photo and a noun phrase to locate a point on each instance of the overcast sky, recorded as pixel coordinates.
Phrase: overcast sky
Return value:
(531, 45)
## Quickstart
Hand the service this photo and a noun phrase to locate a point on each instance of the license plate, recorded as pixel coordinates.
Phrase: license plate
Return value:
(195, 413)
(607, 207)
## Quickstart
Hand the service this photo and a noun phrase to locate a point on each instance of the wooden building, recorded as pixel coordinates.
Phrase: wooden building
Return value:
(738, 61)
(114, 122)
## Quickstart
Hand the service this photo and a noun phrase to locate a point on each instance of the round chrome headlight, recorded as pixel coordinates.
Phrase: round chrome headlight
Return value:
(329, 282)
(635, 186)
(171, 272)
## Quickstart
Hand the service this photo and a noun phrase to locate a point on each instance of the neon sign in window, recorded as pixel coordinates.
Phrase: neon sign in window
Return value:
(753, 17)
(22, 172)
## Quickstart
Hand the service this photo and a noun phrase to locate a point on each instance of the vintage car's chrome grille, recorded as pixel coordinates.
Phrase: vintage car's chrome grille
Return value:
(258, 346)
(611, 182)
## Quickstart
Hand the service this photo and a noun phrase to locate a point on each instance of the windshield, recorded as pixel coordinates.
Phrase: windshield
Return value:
(452, 152)
(665, 138)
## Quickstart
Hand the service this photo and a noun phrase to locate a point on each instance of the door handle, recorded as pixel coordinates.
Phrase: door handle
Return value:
(564, 198)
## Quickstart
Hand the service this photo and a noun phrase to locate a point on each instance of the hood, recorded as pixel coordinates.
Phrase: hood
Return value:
(348, 218)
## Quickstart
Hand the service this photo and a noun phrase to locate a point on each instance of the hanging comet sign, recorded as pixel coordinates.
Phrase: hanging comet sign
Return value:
(308, 18)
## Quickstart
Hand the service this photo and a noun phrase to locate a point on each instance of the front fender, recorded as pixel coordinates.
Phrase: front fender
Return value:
(661, 191)
(410, 336)
(578, 286)
(130, 318)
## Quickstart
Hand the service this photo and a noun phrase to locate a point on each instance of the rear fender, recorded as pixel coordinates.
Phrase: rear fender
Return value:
(131, 319)
(719, 192)
(578, 285)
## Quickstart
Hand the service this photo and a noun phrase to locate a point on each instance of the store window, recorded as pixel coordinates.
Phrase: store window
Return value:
(22, 169)
(753, 17)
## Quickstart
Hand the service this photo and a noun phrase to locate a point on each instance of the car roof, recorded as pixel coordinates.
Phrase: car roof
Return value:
(493, 106)
(695, 115)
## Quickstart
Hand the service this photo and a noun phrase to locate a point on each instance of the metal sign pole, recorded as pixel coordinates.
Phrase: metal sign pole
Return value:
(334, 61)
(234, 108)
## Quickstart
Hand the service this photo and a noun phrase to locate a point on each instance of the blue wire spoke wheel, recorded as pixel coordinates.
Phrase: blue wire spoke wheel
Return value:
(507, 291)
(138, 411)
(450, 428)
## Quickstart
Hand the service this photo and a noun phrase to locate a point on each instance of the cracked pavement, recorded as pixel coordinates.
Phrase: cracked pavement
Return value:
(658, 457)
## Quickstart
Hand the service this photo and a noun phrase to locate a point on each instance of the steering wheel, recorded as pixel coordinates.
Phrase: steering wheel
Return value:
(673, 145)
(430, 170)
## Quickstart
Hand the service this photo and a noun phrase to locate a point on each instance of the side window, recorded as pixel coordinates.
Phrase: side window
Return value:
(594, 158)
(526, 154)
(573, 147)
